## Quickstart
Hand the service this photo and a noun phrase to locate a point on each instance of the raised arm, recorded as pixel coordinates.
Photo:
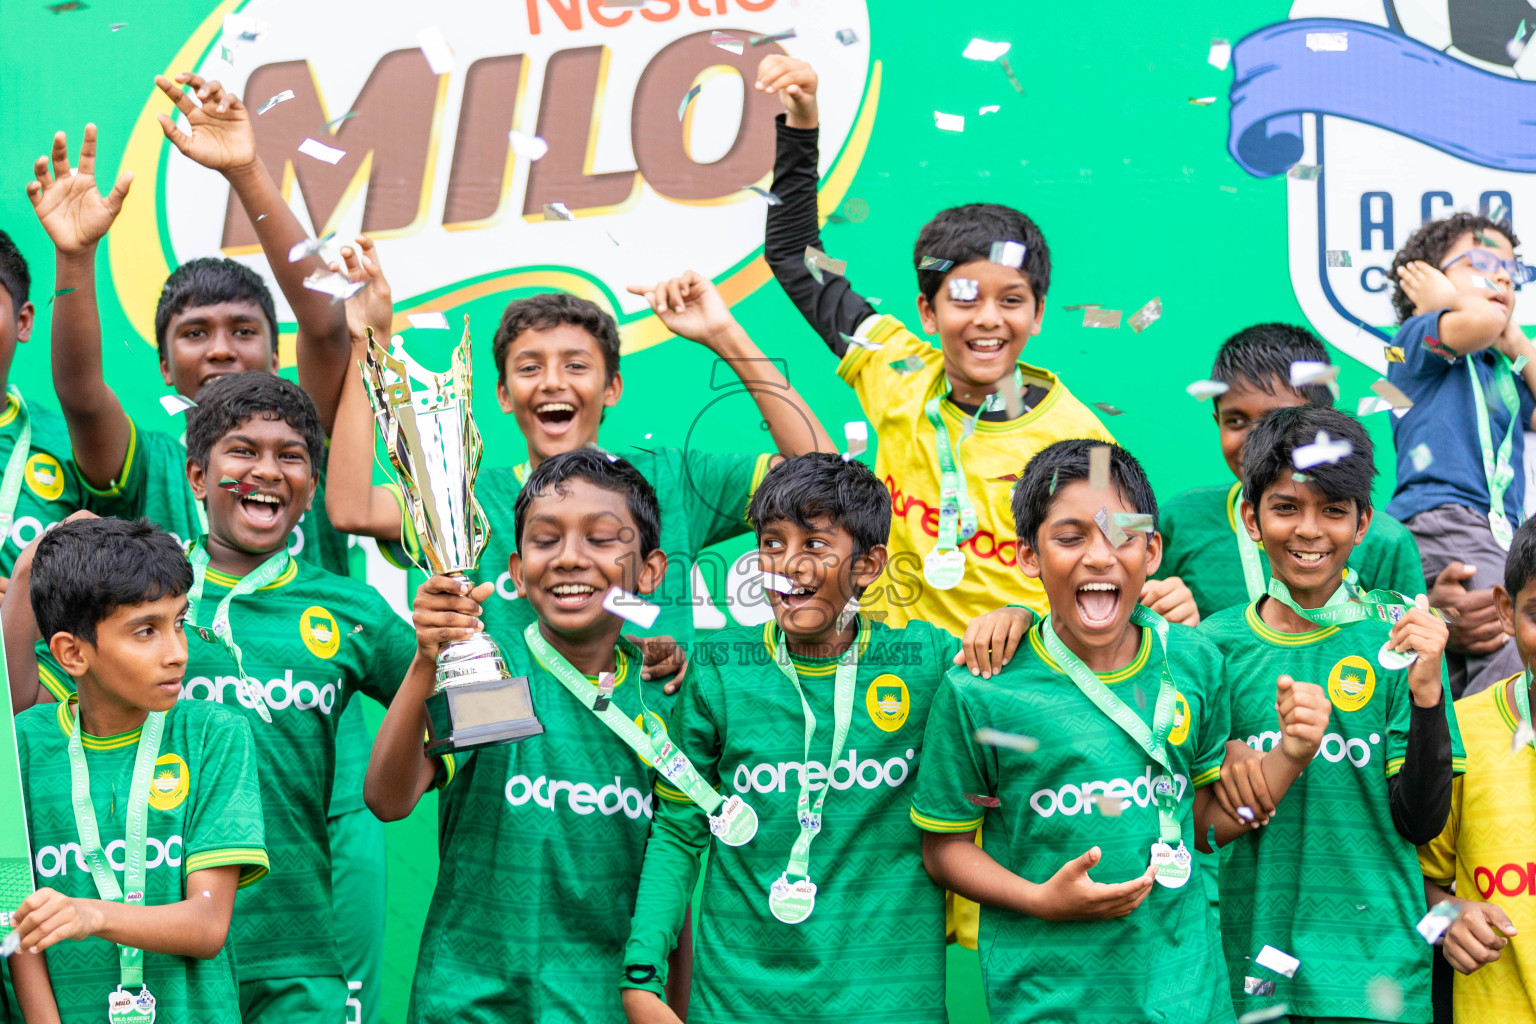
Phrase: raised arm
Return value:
(831, 305)
(1470, 322)
(76, 217)
(221, 138)
(20, 633)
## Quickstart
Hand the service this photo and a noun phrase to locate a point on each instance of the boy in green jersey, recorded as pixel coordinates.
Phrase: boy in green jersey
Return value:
(1093, 749)
(541, 840)
(144, 812)
(1204, 542)
(289, 645)
(758, 716)
(1333, 879)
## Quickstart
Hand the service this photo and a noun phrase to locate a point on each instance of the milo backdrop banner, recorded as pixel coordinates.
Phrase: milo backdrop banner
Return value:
(1268, 179)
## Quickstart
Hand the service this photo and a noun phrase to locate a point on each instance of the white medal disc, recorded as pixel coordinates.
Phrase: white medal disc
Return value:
(792, 902)
(1392, 660)
(944, 569)
(736, 823)
(1498, 525)
(1173, 866)
(124, 1007)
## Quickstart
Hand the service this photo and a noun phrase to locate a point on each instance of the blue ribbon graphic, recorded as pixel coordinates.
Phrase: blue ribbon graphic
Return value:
(1385, 79)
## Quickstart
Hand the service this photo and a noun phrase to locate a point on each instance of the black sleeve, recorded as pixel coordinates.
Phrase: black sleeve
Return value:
(1421, 790)
(832, 307)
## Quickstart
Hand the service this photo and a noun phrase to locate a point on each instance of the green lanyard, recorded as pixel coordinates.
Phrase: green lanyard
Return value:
(1497, 470)
(130, 961)
(735, 824)
(15, 466)
(1523, 729)
(793, 901)
(266, 572)
(1350, 604)
(1247, 550)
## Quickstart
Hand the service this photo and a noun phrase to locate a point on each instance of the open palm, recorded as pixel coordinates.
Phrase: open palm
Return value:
(67, 202)
(220, 136)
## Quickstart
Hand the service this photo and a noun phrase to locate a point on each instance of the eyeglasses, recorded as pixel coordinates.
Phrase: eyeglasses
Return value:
(1489, 263)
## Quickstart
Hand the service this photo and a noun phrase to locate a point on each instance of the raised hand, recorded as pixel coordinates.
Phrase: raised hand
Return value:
(221, 136)
(1426, 286)
(446, 610)
(991, 639)
(1303, 709)
(373, 306)
(1477, 936)
(71, 210)
(795, 82)
(1426, 635)
(690, 306)
(1172, 599)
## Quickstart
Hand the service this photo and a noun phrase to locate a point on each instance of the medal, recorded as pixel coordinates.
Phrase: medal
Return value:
(1392, 660)
(126, 1008)
(1498, 523)
(1173, 865)
(1497, 471)
(943, 570)
(792, 902)
(736, 823)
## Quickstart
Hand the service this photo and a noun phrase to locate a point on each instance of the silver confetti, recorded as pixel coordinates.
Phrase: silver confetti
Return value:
(768, 197)
(688, 97)
(1278, 961)
(1220, 54)
(173, 404)
(726, 41)
(527, 145)
(1265, 1015)
(863, 343)
(1328, 42)
(557, 211)
(308, 247)
(1258, 986)
(330, 283)
(1108, 318)
(819, 263)
(847, 36)
(1421, 457)
(985, 50)
(775, 37)
(434, 47)
(1098, 467)
(963, 289)
(911, 364)
(1392, 394)
(320, 151)
(1432, 926)
(282, 97)
(1310, 371)
(934, 263)
(627, 606)
(1304, 172)
(948, 122)
(1009, 254)
(1323, 449)
(1110, 528)
(1108, 410)
(1134, 521)
(1010, 740)
(1200, 390)
(857, 434)
(1146, 316)
(1339, 258)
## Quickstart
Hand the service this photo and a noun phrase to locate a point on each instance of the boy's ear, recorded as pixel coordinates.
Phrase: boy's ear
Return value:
(503, 397)
(515, 569)
(1364, 525)
(652, 569)
(613, 391)
(1029, 559)
(868, 566)
(165, 372)
(24, 319)
(1250, 520)
(1154, 552)
(926, 314)
(197, 477)
(1506, 607)
(73, 654)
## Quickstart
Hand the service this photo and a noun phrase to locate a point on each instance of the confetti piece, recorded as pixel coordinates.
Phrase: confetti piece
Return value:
(1394, 353)
(1516, 44)
(682, 108)
(261, 218)
(1147, 315)
(1300, 478)
(242, 29)
(1432, 925)
(308, 247)
(1110, 806)
(432, 321)
(911, 364)
(627, 606)
(1485, 284)
(331, 124)
(863, 343)
(1009, 254)
(1085, 305)
(1421, 457)
(1278, 961)
(558, 211)
(1370, 405)
(434, 47)
(1107, 409)
(994, 108)
(1220, 55)
(1054, 475)
(1519, 364)
(788, 33)
(320, 151)
(65, 8)
(1013, 401)
(1258, 986)
(1524, 736)
(1107, 524)
(1328, 42)
(726, 41)
(238, 489)
(282, 97)
(1304, 172)
(1265, 1015)
(819, 263)
(1013, 79)
(1134, 522)
(59, 294)
(1200, 390)
(357, 629)
(173, 404)
(1339, 258)
(117, 25)
(333, 284)
(1386, 998)
(1308, 371)
(1098, 467)
(985, 50)
(847, 36)
(857, 434)
(948, 122)
(1201, 101)
(1392, 394)
(963, 289)
(604, 691)
(1246, 813)
(527, 145)
(1010, 740)
(769, 197)
(10, 944)
(934, 263)
(1096, 317)
(1323, 449)
(773, 581)
(983, 801)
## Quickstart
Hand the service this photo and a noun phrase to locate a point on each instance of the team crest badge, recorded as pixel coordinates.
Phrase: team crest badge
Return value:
(1351, 683)
(1181, 720)
(887, 702)
(45, 476)
(168, 785)
(318, 630)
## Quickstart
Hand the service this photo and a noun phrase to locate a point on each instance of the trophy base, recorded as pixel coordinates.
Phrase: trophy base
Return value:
(478, 703)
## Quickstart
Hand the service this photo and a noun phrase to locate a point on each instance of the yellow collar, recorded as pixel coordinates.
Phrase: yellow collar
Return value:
(1119, 675)
(66, 718)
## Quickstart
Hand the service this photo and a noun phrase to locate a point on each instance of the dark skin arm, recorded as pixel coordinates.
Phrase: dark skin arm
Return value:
(20, 630)
(34, 988)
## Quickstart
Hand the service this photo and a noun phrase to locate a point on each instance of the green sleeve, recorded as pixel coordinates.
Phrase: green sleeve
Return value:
(394, 649)
(719, 488)
(679, 837)
(225, 826)
(126, 496)
(953, 764)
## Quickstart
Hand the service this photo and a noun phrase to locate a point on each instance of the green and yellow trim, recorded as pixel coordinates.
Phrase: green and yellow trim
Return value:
(676, 796)
(1232, 511)
(1509, 715)
(12, 407)
(928, 824)
(252, 860)
(61, 690)
(1206, 777)
(811, 667)
(1274, 636)
(1119, 675)
(955, 418)
(760, 470)
(116, 486)
(228, 582)
(66, 719)
(448, 770)
(620, 672)
(404, 553)
(1394, 765)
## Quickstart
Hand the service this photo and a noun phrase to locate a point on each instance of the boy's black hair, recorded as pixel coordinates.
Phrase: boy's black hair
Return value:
(963, 234)
(208, 281)
(600, 469)
(14, 275)
(822, 486)
(226, 402)
(554, 309)
(1262, 354)
(1268, 454)
(86, 569)
(1064, 462)
(1431, 242)
(1520, 566)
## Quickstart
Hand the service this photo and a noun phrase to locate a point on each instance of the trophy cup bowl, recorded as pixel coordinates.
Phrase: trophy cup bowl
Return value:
(429, 432)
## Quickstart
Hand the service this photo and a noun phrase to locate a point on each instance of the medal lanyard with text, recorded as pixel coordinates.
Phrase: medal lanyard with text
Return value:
(1523, 709)
(1497, 470)
(1247, 551)
(731, 826)
(957, 516)
(130, 961)
(263, 574)
(1348, 604)
(1153, 739)
(15, 466)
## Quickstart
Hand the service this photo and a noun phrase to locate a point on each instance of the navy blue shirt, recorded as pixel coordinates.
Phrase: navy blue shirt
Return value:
(1444, 418)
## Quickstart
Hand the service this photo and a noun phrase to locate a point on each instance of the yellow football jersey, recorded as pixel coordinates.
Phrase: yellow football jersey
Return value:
(1489, 849)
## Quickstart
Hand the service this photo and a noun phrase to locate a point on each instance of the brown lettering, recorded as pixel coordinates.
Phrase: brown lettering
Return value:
(480, 180)
(574, 83)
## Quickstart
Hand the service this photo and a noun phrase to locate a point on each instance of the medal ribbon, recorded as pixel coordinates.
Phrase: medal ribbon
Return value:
(654, 747)
(842, 716)
(264, 573)
(1348, 604)
(130, 961)
(1523, 701)
(1153, 739)
(1247, 550)
(1496, 468)
(957, 515)
(15, 466)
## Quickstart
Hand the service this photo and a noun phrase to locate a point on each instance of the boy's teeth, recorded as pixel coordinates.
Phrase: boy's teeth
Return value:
(1308, 556)
(270, 499)
(557, 407)
(800, 590)
(1098, 586)
(571, 588)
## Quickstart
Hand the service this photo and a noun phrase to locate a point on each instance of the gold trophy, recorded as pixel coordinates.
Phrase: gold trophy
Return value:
(429, 432)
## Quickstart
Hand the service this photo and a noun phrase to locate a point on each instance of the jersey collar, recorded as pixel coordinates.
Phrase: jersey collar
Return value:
(11, 409)
(1119, 675)
(1274, 636)
(66, 719)
(227, 581)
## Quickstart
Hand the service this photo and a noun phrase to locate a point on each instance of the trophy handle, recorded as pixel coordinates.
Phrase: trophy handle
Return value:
(482, 528)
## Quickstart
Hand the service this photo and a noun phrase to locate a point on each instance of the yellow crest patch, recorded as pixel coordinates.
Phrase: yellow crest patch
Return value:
(318, 630)
(1181, 720)
(168, 784)
(887, 702)
(45, 476)
(1351, 683)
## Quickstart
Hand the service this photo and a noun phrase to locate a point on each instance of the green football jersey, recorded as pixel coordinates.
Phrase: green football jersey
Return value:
(541, 843)
(1201, 535)
(703, 501)
(51, 489)
(1162, 962)
(1328, 880)
(205, 812)
(873, 948)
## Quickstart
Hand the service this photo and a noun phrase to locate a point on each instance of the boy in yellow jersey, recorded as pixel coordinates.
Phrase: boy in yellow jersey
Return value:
(1486, 847)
